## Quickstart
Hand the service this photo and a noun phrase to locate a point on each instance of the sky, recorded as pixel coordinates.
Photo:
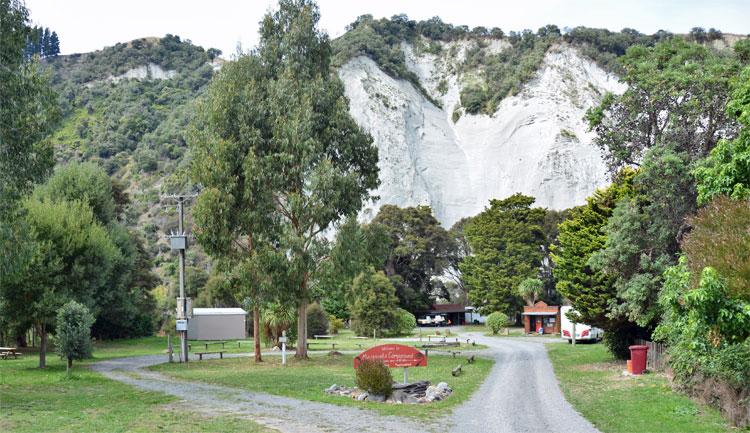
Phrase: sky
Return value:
(89, 25)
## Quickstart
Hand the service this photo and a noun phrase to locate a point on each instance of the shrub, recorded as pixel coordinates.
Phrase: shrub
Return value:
(374, 303)
(720, 239)
(497, 321)
(374, 377)
(73, 332)
(317, 320)
(335, 324)
(403, 323)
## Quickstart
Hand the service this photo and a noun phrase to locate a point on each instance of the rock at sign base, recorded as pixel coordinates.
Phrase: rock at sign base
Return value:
(443, 387)
(398, 395)
(333, 388)
(433, 394)
(362, 397)
(376, 398)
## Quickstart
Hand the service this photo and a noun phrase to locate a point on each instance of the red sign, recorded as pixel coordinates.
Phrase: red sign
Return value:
(393, 355)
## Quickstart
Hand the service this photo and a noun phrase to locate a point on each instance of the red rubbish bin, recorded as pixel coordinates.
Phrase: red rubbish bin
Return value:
(638, 358)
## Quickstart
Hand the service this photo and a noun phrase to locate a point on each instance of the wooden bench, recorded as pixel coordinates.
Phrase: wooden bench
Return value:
(470, 359)
(456, 371)
(322, 336)
(200, 354)
(333, 346)
(436, 345)
(455, 352)
(208, 343)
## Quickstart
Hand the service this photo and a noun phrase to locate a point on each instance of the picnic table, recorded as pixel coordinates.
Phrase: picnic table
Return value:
(7, 352)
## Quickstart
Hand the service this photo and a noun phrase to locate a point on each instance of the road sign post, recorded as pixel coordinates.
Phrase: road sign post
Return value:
(283, 340)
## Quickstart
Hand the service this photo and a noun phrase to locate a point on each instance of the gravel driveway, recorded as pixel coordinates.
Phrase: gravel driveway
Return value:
(519, 395)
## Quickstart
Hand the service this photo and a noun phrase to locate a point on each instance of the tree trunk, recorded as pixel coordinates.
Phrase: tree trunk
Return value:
(22, 340)
(302, 330)
(42, 346)
(70, 365)
(256, 332)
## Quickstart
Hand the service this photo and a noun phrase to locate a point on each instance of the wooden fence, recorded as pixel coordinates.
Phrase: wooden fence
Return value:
(656, 358)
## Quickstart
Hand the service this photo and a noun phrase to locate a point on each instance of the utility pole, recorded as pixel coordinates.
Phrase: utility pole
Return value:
(178, 242)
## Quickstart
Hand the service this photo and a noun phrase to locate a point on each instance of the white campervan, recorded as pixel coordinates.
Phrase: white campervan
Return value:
(583, 331)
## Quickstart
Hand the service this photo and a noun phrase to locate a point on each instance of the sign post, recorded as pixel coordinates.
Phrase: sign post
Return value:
(394, 356)
(283, 340)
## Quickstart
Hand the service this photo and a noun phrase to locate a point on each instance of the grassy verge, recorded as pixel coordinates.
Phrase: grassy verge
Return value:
(346, 340)
(34, 400)
(511, 331)
(593, 383)
(308, 379)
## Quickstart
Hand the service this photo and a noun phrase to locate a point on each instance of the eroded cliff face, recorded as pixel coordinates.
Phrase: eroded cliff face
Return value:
(535, 143)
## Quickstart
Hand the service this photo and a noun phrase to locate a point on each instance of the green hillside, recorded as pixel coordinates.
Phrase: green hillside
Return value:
(135, 128)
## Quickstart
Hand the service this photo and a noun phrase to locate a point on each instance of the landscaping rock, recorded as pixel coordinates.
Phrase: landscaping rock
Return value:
(433, 394)
(410, 393)
(376, 397)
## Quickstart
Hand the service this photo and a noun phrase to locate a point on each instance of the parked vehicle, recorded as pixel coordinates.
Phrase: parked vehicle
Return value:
(583, 331)
(436, 320)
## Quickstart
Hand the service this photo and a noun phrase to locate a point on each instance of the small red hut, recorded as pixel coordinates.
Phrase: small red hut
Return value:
(541, 315)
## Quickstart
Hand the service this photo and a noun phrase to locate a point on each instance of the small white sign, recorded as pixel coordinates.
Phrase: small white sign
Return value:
(182, 325)
(283, 339)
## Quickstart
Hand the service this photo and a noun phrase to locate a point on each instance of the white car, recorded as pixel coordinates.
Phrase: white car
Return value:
(583, 331)
(437, 320)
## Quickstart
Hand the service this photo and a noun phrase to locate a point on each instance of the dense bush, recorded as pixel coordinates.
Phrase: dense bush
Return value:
(335, 324)
(375, 302)
(707, 331)
(73, 332)
(497, 321)
(317, 320)
(374, 377)
(403, 323)
(719, 238)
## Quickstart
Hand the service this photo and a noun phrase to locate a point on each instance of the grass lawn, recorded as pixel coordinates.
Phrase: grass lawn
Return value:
(346, 340)
(154, 345)
(511, 331)
(308, 379)
(592, 382)
(34, 400)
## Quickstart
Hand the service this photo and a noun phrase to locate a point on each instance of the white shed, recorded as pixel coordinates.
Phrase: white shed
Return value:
(217, 324)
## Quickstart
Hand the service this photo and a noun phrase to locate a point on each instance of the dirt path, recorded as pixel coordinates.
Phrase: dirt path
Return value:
(519, 395)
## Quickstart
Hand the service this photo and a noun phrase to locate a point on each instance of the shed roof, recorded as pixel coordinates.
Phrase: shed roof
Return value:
(539, 313)
(218, 311)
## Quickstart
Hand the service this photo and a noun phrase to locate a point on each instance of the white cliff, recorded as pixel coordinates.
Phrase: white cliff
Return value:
(535, 143)
(151, 71)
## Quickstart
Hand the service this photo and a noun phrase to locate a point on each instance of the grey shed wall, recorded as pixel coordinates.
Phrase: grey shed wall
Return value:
(217, 327)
